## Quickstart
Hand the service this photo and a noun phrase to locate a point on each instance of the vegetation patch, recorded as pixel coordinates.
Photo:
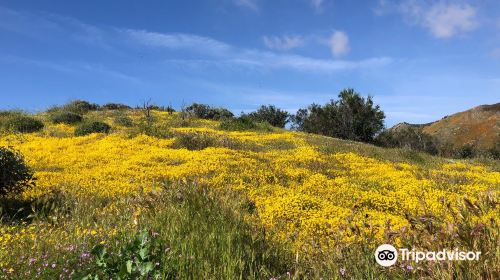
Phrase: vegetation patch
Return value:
(66, 117)
(22, 123)
(15, 175)
(92, 127)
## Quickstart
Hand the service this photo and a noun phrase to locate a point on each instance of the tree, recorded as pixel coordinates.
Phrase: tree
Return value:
(274, 116)
(203, 111)
(350, 117)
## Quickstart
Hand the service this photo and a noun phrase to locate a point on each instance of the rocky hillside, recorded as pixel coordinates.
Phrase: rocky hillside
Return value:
(479, 126)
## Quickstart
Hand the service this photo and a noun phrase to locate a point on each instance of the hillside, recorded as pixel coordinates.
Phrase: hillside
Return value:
(220, 202)
(479, 126)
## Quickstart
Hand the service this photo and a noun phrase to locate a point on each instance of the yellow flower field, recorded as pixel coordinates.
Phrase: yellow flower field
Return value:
(301, 194)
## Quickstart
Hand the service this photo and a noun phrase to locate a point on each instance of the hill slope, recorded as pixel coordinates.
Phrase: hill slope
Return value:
(479, 126)
(308, 195)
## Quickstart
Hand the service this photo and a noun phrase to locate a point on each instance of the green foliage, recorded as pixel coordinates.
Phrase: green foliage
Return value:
(200, 141)
(92, 127)
(466, 151)
(115, 106)
(238, 124)
(138, 259)
(206, 112)
(66, 117)
(351, 117)
(80, 107)
(23, 124)
(274, 116)
(15, 175)
(408, 137)
(123, 120)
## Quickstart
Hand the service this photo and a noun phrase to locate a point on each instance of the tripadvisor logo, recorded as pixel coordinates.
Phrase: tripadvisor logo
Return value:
(387, 255)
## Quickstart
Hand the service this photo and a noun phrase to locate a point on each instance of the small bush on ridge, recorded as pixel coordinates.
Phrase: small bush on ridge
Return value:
(80, 106)
(67, 118)
(274, 116)
(203, 111)
(238, 124)
(115, 106)
(92, 127)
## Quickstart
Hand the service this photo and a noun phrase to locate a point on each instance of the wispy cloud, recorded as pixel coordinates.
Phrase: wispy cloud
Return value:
(225, 54)
(193, 49)
(178, 41)
(73, 67)
(317, 5)
(495, 53)
(339, 43)
(443, 19)
(283, 43)
(249, 4)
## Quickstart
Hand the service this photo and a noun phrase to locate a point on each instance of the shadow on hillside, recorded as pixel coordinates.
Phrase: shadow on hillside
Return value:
(17, 209)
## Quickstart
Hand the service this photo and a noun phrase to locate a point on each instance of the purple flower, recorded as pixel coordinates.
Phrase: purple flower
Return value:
(409, 267)
(84, 255)
(342, 271)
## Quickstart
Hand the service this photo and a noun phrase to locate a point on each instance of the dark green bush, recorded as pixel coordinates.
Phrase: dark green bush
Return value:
(15, 175)
(274, 116)
(408, 137)
(350, 117)
(203, 111)
(466, 151)
(22, 123)
(92, 127)
(80, 106)
(238, 124)
(66, 117)
(115, 106)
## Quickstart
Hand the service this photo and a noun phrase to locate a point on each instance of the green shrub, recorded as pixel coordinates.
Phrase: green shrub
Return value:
(123, 121)
(200, 141)
(115, 106)
(351, 117)
(15, 175)
(274, 116)
(24, 124)
(203, 111)
(92, 127)
(67, 118)
(238, 124)
(466, 151)
(80, 106)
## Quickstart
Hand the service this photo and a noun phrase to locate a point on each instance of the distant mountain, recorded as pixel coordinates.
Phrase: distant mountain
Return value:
(479, 126)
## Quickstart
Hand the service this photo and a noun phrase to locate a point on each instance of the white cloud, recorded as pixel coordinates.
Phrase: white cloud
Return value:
(178, 41)
(444, 19)
(250, 4)
(284, 43)
(317, 4)
(202, 51)
(495, 53)
(339, 43)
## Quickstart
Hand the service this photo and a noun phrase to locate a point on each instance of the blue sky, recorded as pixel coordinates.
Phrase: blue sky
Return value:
(421, 60)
